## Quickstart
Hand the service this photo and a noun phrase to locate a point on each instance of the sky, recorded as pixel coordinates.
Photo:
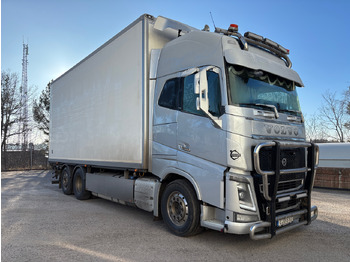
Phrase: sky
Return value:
(60, 33)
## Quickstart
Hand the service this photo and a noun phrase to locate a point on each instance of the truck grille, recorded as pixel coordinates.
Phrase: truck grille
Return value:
(287, 205)
(292, 171)
(283, 178)
(290, 158)
(296, 183)
(286, 186)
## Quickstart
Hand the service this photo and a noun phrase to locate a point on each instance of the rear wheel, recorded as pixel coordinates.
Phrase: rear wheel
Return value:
(180, 208)
(79, 189)
(66, 181)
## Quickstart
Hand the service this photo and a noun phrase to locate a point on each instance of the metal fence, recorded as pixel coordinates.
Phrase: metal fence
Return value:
(24, 160)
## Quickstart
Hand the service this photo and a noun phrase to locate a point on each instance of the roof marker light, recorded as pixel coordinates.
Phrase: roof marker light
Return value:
(233, 28)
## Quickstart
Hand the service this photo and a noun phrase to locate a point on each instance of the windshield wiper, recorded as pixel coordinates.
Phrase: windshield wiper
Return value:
(263, 106)
(290, 111)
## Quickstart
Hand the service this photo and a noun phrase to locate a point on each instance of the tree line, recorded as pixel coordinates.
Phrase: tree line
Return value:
(12, 106)
(331, 123)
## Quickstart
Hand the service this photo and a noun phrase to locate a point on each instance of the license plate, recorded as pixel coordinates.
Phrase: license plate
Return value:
(284, 221)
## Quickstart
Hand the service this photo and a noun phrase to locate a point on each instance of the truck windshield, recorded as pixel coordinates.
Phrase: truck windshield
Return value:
(258, 89)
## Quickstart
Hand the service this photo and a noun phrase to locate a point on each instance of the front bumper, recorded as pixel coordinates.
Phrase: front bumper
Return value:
(257, 230)
(238, 228)
(279, 218)
(264, 226)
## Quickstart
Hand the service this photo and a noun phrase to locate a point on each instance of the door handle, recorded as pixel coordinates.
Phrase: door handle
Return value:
(184, 147)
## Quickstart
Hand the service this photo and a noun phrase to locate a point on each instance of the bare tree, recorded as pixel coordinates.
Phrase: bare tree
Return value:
(41, 111)
(11, 107)
(347, 105)
(333, 116)
(315, 131)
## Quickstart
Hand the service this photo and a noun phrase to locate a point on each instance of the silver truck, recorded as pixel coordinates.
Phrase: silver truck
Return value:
(204, 129)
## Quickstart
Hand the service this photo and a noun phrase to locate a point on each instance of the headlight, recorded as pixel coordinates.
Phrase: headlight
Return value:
(245, 196)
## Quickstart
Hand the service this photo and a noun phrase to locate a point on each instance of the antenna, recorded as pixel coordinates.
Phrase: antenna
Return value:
(24, 98)
(212, 19)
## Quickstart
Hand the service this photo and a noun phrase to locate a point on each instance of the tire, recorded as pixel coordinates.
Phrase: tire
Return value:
(79, 185)
(66, 181)
(180, 208)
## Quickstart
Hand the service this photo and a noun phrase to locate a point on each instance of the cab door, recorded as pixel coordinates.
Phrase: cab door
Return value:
(165, 114)
(201, 141)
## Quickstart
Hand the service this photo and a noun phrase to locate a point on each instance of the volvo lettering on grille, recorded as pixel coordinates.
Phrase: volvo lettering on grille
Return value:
(283, 130)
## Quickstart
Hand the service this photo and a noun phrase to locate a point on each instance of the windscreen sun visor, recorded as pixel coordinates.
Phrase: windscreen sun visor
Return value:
(236, 56)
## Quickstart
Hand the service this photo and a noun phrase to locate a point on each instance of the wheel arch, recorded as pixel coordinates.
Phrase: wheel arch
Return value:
(174, 176)
(170, 175)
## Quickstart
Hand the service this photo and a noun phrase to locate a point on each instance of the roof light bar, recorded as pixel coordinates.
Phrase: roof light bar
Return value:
(254, 36)
(284, 50)
(271, 43)
(266, 41)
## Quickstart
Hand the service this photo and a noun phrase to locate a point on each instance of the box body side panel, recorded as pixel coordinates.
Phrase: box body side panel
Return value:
(97, 108)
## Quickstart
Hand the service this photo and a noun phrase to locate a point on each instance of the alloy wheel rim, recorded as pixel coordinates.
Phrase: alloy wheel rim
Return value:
(177, 208)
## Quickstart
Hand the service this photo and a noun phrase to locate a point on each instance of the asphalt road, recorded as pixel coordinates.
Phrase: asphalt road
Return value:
(39, 223)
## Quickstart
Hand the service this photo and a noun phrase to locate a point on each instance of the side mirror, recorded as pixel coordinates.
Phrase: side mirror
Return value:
(196, 84)
(203, 91)
(201, 88)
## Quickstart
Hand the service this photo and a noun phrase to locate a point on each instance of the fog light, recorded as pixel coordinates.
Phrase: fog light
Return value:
(246, 218)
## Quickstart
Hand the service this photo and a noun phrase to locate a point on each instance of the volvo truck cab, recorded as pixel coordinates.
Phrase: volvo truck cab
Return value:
(227, 116)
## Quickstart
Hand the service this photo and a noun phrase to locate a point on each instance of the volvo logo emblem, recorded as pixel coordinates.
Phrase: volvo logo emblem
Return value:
(284, 161)
(234, 154)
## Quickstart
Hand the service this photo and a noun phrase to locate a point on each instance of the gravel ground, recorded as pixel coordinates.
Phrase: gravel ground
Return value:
(40, 223)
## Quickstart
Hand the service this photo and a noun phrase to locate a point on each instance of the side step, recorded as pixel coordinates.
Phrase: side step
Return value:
(213, 224)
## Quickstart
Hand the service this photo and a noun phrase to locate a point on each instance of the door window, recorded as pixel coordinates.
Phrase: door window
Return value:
(214, 95)
(189, 97)
(170, 97)
(178, 94)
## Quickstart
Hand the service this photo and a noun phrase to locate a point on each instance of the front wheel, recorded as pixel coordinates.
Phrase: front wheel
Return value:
(180, 208)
